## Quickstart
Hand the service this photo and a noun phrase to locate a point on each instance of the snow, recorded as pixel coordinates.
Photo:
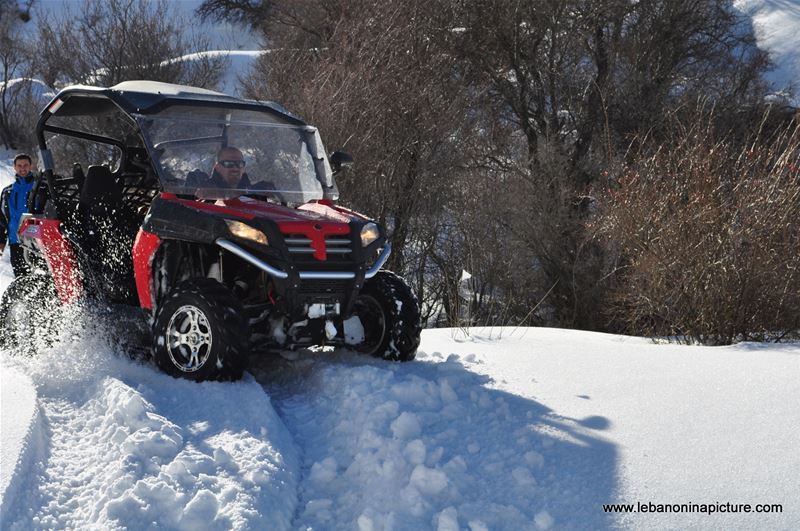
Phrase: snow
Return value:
(35, 88)
(7, 167)
(238, 64)
(21, 430)
(503, 429)
(496, 429)
(775, 23)
(129, 447)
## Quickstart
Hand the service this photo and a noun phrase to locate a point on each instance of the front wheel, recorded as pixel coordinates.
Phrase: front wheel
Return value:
(389, 318)
(200, 333)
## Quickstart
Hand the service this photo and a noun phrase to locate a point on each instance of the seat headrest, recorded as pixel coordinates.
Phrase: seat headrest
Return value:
(99, 185)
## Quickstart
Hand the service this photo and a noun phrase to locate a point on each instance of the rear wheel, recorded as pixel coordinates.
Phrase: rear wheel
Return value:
(200, 332)
(27, 314)
(388, 313)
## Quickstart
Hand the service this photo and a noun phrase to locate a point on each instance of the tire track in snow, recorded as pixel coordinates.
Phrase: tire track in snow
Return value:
(53, 497)
(128, 447)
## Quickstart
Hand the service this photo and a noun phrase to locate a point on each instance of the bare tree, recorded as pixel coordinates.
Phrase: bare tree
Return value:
(380, 90)
(16, 10)
(286, 23)
(116, 40)
(577, 81)
(482, 128)
(708, 235)
(14, 93)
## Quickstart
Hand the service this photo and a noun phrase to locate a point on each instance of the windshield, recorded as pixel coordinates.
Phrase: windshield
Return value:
(220, 153)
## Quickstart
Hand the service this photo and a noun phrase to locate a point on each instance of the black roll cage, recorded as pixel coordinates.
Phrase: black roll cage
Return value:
(87, 136)
(132, 97)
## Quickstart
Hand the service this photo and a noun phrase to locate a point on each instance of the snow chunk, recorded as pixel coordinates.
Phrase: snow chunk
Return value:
(353, 331)
(315, 311)
(330, 329)
(406, 426)
(365, 523)
(200, 512)
(323, 471)
(276, 329)
(447, 520)
(543, 520)
(415, 452)
(523, 477)
(447, 393)
(534, 458)
(428, 480)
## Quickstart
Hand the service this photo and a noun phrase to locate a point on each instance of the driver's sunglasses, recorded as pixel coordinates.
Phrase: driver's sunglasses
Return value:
(232, 163)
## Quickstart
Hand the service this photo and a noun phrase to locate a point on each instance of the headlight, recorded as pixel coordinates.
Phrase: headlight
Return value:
(246, 232)
(369, 233)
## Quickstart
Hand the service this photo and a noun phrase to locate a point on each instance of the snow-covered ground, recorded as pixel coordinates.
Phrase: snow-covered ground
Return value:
(6, 167)
(776, 24)
(220, 35)
(238, 65)
(507, 429)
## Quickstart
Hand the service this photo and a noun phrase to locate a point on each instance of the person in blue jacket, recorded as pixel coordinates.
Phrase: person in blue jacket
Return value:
(13, 203)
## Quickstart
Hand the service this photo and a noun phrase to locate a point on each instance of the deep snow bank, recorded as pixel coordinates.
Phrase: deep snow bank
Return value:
(686, 424)
(127, 447)
(506, 429)
(537, 428)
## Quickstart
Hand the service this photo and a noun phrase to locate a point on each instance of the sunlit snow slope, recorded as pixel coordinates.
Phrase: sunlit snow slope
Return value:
(776, 24)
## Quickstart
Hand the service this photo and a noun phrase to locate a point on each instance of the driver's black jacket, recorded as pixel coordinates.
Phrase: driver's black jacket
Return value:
(201, 179)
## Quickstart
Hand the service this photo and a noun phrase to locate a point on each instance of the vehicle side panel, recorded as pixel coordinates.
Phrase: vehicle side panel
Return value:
(59, 255)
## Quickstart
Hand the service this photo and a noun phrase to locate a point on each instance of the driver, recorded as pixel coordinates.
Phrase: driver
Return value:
(228, 173)
(229, 169)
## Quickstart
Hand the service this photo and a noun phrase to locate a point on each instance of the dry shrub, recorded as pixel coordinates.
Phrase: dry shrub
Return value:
(708, 237)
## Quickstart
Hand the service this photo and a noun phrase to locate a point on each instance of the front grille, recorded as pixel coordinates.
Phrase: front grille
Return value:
(336, 247)
(323, 287)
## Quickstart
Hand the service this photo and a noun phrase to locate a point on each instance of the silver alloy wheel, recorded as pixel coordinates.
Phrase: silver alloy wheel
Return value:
(189, 338)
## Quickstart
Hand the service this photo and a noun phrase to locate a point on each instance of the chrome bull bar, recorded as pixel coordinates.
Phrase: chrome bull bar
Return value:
(309, 275)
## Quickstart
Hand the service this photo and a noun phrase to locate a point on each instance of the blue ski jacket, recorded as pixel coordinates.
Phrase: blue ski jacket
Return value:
(13, 203)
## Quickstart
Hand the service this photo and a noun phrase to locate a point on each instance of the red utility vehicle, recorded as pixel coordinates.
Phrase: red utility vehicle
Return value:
(216, 218)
